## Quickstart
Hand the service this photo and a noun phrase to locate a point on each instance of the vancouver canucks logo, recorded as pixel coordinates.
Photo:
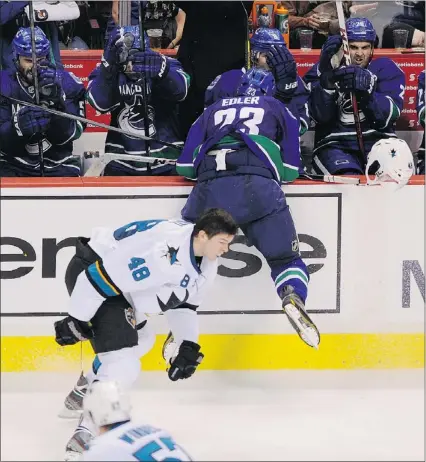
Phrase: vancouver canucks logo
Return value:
(131, 117)
(171, 255)
(346, 111)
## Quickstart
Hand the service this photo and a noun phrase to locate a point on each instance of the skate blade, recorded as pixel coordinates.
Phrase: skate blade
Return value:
(66, 413)
(72, 455)
(306, 332)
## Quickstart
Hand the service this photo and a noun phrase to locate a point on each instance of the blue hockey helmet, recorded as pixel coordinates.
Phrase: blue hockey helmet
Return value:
(21, 44)
(132, 37)
(263, 38)
(256, 82)
(360, 30)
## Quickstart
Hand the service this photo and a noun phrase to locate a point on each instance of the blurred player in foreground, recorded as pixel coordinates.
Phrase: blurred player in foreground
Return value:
(119, 437)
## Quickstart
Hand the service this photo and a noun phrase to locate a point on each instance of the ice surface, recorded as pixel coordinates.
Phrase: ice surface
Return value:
(246, 416)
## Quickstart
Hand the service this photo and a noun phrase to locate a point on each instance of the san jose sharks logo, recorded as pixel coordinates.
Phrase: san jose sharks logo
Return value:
(171, 255)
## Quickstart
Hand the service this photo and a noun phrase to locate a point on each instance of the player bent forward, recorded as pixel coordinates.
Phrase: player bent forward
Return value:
(120, 437)
(118, 276)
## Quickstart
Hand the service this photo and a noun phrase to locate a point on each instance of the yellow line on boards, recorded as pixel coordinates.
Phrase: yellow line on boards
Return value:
(237, 352)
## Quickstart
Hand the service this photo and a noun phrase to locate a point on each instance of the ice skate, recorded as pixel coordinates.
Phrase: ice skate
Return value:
(73, 404)
(294, 308)
(78, 443)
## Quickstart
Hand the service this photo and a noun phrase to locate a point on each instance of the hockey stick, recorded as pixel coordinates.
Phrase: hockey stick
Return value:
(34, 73)
(247, 39)
(330, 178)
(96, 124)
(343, 33)
(99, 164)
(144, 82)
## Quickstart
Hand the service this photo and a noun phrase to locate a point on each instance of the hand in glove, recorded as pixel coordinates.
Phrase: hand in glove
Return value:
(328, 50)
(70, 330)
(116, 51)
(150, 63)
(29, 121)
(51, 92)
(186, 362)
(284, 70)
(355, 78)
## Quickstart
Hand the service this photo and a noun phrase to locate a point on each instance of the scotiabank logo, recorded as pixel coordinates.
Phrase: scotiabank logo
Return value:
(26, 257)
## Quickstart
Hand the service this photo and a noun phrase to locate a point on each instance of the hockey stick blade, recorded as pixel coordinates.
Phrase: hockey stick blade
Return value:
(99, 164)
(96, 124)
(331, 179)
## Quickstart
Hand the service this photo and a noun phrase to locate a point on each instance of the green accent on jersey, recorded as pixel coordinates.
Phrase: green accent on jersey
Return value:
(274, 152)
(270, 149)
(293, 272)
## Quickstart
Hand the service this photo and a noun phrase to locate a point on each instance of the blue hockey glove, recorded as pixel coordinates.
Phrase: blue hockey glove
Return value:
(70, 330)
(150, 63)
(51, 92)
(355, 78)
(116, 51)
(186, 362)
(328, 50)
(29, 121)
(284, 70)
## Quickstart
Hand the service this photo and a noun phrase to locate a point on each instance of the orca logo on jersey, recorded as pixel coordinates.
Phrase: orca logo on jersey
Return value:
(346, 111)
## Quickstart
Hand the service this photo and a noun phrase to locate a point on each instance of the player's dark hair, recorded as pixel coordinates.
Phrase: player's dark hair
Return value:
(215, 221)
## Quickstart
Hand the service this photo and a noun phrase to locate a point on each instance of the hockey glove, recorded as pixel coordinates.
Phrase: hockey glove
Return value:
(70, 330)
(150, 63)
(51, 92)
(284, 70)
(29, 121)
(328, 50)
(186, 362)
(116, 51)
(355, 78)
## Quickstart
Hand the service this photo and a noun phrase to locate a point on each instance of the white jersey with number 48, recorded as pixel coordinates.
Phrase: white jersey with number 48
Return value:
(151, 263)
(130, 441)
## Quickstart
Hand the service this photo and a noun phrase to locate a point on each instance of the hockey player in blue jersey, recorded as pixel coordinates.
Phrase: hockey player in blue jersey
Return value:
(379, 86)
(239, 150)
(268, 52)
(420, 106)
(21, 127)
(115, 87)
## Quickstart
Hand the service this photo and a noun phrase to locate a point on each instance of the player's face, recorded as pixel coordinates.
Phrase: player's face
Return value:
(361, 53)
(261, 61)
(216, 245)
(26, 67)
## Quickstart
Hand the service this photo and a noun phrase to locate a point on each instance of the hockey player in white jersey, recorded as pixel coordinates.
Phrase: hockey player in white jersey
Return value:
(120, 438)
(145, 267)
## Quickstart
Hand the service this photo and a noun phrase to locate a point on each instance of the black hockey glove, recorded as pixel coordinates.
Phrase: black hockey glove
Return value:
(284, 70)
(51, 92)
(186, 361)
(328, 50)
(355, 78)
(149, 63)
(70, 330)
(30, 121)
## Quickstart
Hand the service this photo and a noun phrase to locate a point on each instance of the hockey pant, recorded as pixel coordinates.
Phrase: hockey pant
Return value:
(119, 338)
(260, 208)
(334, 161)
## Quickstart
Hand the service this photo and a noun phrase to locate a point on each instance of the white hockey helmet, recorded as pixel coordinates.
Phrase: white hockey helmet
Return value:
(106, 403)
(395, 161)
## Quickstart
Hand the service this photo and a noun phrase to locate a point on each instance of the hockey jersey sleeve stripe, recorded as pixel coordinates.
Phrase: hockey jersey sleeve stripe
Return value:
(101, 281)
